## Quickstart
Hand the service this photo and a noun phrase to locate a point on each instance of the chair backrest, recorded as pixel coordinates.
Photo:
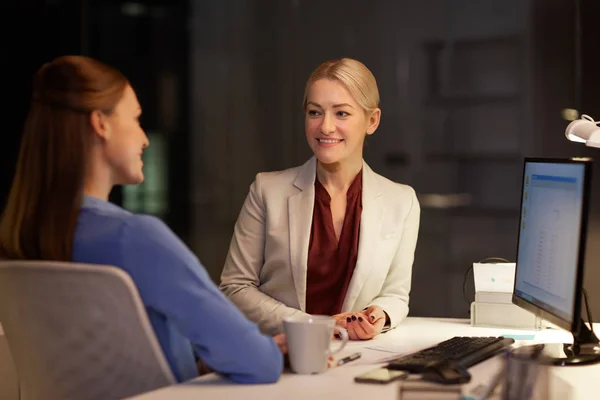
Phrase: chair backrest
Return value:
(78, 331)
(9, 384)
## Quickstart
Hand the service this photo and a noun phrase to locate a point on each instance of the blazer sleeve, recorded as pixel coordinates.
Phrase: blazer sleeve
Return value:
(394, 295)
(172, 281)
(240, 278)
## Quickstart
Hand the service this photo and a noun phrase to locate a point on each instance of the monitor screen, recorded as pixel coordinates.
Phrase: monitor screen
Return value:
(551, 239)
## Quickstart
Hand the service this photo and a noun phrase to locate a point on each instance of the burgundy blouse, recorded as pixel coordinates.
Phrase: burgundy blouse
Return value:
(330, 262)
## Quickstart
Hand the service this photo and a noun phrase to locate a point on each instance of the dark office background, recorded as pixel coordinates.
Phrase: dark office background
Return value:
(468, 87)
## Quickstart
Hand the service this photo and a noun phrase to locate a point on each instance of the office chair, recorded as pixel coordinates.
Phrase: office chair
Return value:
(9, 384)
(78, 331)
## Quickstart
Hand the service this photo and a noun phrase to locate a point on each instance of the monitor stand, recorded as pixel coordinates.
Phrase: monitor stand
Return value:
(584, 350)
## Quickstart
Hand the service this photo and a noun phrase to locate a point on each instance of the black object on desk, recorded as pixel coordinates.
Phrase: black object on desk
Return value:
(462, 351)
(346, 360)
(446, 372)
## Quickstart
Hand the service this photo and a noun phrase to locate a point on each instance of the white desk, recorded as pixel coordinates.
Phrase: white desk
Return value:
(412, 335)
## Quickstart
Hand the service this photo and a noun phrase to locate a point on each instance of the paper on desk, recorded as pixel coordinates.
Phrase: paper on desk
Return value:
(494, 277)
(370, 356)
(398, 348)
(374, 354)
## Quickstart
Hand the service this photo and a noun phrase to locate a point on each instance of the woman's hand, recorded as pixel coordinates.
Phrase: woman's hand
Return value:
(362, 325)
(281, 341)
(331, 363)
(342, 319)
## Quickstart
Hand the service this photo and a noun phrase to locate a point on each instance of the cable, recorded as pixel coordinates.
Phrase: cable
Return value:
(489, 260)
(587, 309)
(578, 57)
(484, 261)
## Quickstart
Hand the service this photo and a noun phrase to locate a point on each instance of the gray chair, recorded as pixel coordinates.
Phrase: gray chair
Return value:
(9, 384)
(78, 331)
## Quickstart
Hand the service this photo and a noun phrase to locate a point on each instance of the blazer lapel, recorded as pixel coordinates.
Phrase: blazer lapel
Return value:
(300, 214)
(370, 229)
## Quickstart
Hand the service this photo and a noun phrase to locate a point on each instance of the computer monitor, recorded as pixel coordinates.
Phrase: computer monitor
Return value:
(551, 251)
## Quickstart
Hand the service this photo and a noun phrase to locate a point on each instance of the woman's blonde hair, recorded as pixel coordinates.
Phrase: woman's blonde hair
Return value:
(353, 75)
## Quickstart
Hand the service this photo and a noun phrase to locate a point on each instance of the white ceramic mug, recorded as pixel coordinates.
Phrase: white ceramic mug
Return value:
(309, 340)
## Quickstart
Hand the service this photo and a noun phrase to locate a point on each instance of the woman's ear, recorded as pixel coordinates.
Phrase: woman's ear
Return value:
(99, 124)
(374, 121)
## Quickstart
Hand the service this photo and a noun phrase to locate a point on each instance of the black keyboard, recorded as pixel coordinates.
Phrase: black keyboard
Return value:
(461, 350)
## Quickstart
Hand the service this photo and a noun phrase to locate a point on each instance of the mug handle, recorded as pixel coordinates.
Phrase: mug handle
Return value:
(344, 335)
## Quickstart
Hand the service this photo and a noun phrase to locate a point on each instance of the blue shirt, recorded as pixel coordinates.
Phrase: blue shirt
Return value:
(186, 309)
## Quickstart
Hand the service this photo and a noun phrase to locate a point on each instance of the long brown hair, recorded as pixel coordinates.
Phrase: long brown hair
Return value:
(41, 214)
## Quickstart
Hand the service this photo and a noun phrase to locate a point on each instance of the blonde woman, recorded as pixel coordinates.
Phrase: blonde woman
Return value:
(330, 237)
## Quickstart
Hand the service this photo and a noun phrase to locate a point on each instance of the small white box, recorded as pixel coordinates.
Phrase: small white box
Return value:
(490, 277)
(503, 315)
(494, 297)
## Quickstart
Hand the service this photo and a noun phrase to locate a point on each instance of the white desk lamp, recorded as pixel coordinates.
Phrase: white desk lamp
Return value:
(584, 130)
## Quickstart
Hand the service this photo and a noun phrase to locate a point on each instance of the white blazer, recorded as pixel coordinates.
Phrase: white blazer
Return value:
(265, 269)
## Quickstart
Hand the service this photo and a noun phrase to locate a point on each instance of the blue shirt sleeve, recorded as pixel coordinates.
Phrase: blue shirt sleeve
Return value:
(173, 282)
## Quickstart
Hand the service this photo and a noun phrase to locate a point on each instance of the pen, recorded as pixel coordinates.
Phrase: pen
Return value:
(346, 360)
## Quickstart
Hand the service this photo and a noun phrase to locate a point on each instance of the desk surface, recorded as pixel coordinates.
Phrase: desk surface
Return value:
(411, 335)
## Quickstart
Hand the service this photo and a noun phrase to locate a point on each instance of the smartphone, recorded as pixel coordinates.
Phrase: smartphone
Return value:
(381, 375)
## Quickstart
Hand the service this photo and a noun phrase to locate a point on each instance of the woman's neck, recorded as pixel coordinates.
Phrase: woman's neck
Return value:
(95, 190)
(338, 177)
(98, 182)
